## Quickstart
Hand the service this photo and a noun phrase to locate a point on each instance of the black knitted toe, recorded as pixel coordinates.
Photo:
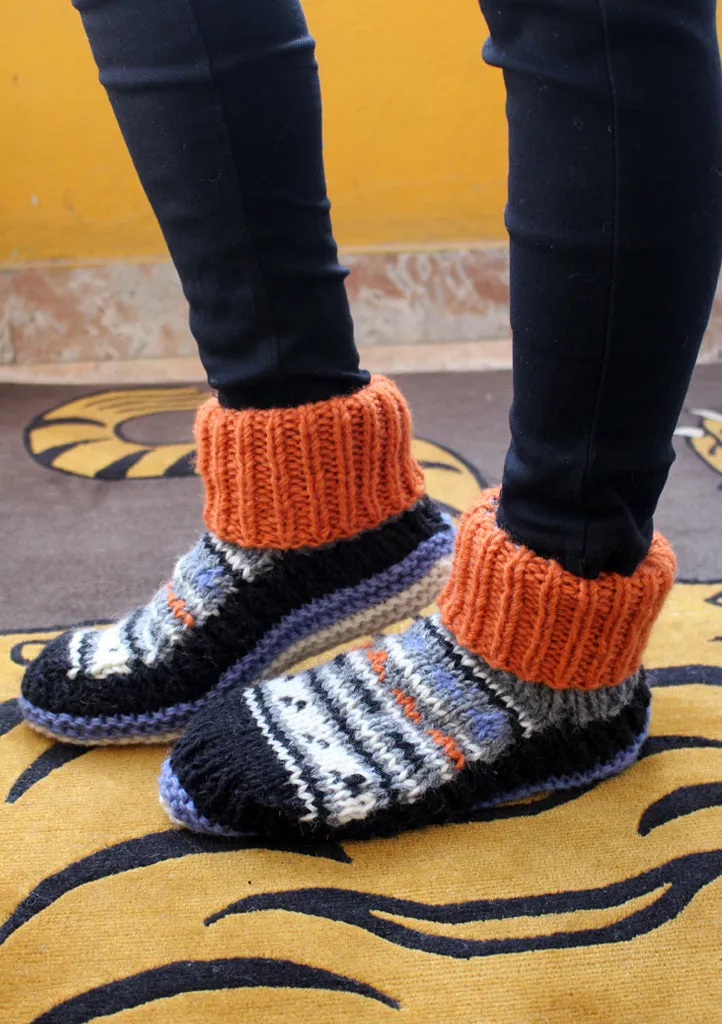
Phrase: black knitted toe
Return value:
(224, 763)
(45, 683)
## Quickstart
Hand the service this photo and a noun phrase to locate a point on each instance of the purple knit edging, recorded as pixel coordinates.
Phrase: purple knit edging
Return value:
(299, 624)
(180, 806)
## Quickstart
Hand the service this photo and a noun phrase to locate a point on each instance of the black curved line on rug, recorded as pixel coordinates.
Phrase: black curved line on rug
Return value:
(677, 804)
(530, 809)
(141, 852)
(56, 756)
(46, 457)
(118, 469)
(660, 744)
(41, 421)
(17, 657)
(713, 450)
(684, 675)
(9, 715)
(680, 879)
(430, 464)
(475, 472)
(203, 976)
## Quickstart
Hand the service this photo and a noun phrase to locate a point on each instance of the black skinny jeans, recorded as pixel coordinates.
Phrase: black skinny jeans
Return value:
(614, 215)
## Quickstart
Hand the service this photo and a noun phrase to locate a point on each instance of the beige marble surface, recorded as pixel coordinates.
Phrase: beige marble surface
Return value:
(414, 311)
(128, 311)
(452, 356)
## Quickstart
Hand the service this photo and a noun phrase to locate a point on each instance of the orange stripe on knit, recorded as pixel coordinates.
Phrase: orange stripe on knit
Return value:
(407, 703)
(304, 476)
(449, 747)
(378, 662)
(178, 606)
(527, 615)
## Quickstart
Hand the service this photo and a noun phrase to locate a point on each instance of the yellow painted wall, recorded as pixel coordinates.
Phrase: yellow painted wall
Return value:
(414, 126)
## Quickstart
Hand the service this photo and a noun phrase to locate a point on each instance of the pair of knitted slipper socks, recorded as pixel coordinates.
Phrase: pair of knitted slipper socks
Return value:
(528, 680)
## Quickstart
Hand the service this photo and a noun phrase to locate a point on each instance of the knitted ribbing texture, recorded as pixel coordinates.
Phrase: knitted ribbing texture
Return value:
(528, 615)
(305, 476)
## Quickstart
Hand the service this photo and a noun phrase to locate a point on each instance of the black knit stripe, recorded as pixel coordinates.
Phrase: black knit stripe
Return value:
(338, 711)
(128, 632)
(286, 740)
(348, 562)
(85, 650)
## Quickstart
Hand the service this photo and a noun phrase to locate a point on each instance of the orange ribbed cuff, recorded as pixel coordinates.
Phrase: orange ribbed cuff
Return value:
(304, 476)
(527, 615)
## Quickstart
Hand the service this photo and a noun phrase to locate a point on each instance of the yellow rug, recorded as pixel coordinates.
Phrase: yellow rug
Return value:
(601, 905)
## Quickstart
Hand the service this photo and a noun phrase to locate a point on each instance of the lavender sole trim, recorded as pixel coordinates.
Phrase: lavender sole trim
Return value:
(317, 614)
(180, 808)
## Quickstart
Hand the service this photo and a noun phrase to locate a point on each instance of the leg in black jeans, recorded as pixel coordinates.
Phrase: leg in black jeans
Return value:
(615, 117)
(220, 107)
(615, 218)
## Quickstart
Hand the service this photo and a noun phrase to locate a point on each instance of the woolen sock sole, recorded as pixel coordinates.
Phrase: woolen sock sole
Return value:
(400, 591)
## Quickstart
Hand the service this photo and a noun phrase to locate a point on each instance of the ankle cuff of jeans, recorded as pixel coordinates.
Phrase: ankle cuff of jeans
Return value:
(530, 616)
(291, 392)
(304, 476)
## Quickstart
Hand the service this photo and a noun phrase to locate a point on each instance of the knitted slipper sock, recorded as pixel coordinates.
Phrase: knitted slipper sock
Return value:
(420, 728)
(318, 532)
